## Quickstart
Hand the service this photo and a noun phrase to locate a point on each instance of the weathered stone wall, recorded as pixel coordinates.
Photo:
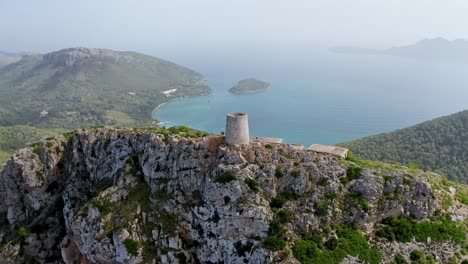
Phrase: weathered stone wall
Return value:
(237, 129)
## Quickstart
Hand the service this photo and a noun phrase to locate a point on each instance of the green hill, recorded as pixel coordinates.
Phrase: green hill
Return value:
(15, 137)
(7, 58)
(439, 145)
(83, 87)
(249, 86)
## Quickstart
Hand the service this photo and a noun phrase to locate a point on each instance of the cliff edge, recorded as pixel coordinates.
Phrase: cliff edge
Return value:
(112, 195)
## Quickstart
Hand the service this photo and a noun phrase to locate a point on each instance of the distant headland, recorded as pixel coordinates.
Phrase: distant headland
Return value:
(250, 85)
(436, 49)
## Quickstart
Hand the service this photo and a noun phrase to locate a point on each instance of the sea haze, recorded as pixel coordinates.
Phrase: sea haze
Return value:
(321, 97)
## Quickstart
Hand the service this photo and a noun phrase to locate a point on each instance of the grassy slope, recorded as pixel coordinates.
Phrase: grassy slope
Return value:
(439, 145)
(15, 137)
(82, 94)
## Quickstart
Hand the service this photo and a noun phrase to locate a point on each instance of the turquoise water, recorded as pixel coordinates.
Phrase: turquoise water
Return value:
(330, 100)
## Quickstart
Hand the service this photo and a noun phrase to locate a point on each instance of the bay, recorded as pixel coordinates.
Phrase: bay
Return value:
(324, 97)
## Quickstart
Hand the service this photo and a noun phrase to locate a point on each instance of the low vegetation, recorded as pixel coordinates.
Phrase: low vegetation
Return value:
(405, 229)
(13, 138)
(279, 200)
(225, 177)
(253, 184)
(275, 240)
(353, 172)
(279, 173)
(103, 206)
(23, 232)
(274, 243)
(321, 248)
(131, 246)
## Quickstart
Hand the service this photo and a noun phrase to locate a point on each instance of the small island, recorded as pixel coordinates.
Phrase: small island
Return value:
(250, 86)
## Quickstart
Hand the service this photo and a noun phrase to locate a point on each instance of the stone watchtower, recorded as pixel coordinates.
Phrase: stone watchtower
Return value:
(237, 129)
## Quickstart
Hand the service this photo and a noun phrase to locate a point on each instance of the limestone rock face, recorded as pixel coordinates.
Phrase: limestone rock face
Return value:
(72, 56)
(131, 196)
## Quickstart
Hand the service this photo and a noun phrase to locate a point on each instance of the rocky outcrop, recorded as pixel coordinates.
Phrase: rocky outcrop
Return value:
(72, 56)
(132, 196)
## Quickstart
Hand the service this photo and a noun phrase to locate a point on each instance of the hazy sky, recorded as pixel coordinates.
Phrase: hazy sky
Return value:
(190, 25)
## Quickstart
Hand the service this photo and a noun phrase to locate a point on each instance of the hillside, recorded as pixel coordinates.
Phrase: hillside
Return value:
(7, 58)
(16, 137)
(167, 196)
(439, 145)
(436, 49)
(83, 87)
(249, 86)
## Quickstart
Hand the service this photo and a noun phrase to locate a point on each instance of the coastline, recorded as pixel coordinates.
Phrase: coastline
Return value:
(175, 99)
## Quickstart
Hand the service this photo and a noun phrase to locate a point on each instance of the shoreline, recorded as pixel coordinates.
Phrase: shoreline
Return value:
(175, 99)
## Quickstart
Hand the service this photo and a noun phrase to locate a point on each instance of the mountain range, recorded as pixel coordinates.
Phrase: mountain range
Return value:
(8, 58)
(436, 49)
(82, 87)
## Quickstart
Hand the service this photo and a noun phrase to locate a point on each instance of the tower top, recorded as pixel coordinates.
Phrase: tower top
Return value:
(237, 129)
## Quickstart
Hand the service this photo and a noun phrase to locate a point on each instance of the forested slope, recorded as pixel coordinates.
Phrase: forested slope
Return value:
(440, 145)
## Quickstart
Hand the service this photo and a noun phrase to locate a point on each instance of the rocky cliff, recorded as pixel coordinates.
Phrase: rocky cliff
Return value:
(140, 196)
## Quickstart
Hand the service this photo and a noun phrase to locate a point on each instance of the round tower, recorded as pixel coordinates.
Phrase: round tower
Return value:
(237, 129)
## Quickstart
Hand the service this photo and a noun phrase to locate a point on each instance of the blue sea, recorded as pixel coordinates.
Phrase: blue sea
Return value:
(321, 97)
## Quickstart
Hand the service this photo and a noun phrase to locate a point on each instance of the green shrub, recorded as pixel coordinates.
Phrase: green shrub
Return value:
(268, 146)
(131, 246)
(351, 157)
(274, 243)
(225, 177)
(279, 200)
(350, 242)
(37, 149)
(315, 237)
(279, 173)
(404, 229)
(344, 180)
(276, 229)
(361, 201)
(323, 182)
(103, 207)
(331, 244)
(321, 209)
(462, 195)
(23, 232)
(284, 216)
(417, 256)
(253, 184)
(330, 195)
(184, 129)
(399, 259)
(353, 172)
(387, 178)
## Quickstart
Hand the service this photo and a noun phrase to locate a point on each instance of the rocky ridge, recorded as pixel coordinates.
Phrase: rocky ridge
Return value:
(72, 56)
(140, 196)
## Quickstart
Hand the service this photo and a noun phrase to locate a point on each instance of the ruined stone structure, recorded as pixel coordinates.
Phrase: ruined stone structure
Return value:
(237, 129)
